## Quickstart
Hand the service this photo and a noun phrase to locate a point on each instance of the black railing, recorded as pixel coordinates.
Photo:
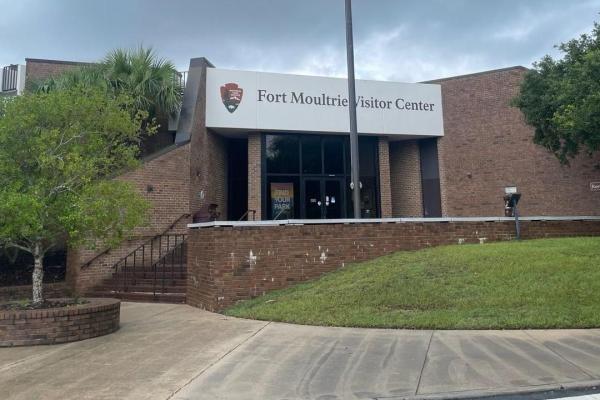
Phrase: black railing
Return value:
(161, 261)
(246, 215)
(105, 251)
(170, 266)
(9, 78)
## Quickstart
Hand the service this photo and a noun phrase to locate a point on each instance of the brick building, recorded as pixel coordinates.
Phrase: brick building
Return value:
(459, 168)
(462, 169)
(256, 146)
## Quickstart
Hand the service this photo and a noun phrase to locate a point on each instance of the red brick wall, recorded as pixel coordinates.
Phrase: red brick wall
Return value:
(164, 181)
(384, 178)
(215, 163)
(228, 264)
(405, 170)
(168, 176)
(36, 69)
(488, 146)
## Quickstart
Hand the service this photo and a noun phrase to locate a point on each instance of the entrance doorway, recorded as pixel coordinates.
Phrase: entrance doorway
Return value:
(323, 198)
(308, 176)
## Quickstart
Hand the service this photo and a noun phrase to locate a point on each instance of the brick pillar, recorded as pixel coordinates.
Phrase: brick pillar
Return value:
(385, 190)
(254, 174)
(405, 176)
(200, 167)
(442, 151)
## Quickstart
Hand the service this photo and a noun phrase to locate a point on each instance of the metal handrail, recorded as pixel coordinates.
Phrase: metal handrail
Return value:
(279, 213)
(163, 233)
(132, 263)
(177, 244)
(89, 262)
(172, 253)
(246, 214)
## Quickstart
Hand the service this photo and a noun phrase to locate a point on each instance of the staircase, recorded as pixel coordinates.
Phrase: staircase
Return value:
(154, 272)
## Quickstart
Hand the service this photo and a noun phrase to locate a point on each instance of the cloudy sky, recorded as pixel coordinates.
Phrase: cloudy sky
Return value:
(402, 40)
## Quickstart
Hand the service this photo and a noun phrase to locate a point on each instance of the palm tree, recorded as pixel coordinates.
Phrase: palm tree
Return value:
(153, 84)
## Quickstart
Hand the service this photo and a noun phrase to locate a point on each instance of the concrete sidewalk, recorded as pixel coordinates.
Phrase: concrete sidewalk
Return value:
(179, 352)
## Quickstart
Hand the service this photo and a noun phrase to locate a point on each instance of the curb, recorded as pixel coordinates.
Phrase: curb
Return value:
(549, 391)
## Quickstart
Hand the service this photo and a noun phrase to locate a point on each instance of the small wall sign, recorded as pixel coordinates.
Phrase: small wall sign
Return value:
(595, 186)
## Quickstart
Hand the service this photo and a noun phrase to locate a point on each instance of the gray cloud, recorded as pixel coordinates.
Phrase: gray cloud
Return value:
(395, 39)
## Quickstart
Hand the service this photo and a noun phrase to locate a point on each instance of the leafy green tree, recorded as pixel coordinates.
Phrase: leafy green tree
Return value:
(152, 83)
(560, 98)
(58, 151)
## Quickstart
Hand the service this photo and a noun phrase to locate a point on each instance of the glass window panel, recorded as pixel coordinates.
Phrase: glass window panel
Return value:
(282, 154)
(333, 154)
(311, 155)
(368, 197)
(367, 156)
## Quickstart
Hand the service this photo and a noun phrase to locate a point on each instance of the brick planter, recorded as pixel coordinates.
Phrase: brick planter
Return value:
(59, 325)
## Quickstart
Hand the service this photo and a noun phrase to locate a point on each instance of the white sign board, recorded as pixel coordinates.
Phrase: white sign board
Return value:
(280, 102)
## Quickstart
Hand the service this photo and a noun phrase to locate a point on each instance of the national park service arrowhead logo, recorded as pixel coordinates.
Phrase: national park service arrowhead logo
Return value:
(231, 94)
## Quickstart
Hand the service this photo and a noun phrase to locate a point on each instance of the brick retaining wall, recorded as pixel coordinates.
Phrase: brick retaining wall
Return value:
(231, 263)
(59, 325)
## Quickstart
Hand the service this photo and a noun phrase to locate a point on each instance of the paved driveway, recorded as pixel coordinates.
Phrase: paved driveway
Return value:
(179, 352)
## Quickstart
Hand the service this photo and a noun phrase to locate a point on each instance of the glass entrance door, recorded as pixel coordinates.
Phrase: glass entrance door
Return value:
(333, 198)
(313, 199)
(323, 198)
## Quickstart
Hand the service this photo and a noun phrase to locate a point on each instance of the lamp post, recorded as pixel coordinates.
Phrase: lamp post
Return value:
(355, 176)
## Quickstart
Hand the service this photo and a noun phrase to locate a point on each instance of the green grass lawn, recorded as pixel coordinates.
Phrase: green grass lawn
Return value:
(549, 283)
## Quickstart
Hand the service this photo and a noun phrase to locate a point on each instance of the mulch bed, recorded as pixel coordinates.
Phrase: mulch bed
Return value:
(29, 305)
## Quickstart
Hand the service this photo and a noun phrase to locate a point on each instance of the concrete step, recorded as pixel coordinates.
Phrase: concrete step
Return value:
(140, 288)
(117, 281)
(158, 267)
(147, 297)
(151, 275)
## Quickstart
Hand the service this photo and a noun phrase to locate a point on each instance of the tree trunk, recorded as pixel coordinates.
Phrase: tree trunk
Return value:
(38, 275)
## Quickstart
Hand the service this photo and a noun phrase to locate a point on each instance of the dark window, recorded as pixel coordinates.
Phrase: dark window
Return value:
(333, 155)
(282, 154)
(16, 266)
(369, 168)
(311, 155)
(238, 179)
(368, 197)
(367, 156)
(430, 178)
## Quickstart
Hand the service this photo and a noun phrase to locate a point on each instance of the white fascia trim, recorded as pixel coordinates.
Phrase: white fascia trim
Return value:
(385, 220)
